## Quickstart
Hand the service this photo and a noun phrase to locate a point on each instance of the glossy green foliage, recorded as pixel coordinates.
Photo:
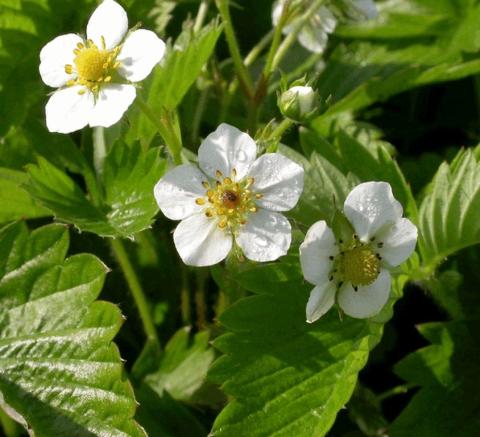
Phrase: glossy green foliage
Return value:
(60, 373)
(15, 200)
(183, 366)
(449, 212)
(287, 377)
(129, 176)
(440, 34)
(447, 373)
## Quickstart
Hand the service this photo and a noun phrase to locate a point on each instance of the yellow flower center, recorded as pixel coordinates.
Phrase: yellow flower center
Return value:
(229, 201)
(360, 265)
(93, 65)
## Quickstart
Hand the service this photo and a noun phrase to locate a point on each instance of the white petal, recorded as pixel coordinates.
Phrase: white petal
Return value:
(112, 101)
(371, 206)
(200, 242)
(366, 9)
(141, 51)
(278, 179)
(398, 242)
(226, 149)
(110, 21)
(321, 299)
(265, 237)
(54, 56)
(68, 111)
(277, 10)
(315, 252)
(313, 39)
(314, 34)
(368, 300)
(326, 19)
(176, 192)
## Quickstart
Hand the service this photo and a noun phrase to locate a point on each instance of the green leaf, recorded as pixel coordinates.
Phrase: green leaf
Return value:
(183, 366)
(338, 167)
(60, 373)
(372, 73)
(172, 79)
(182, 66)
(414, 43)
(129, 177)
(447, 372)
(16, 202)
(325, 190)
(449, 212)
(288, 377)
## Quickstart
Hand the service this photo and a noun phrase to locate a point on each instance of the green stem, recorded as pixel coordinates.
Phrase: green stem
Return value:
(201, 14)
(249, 60)
(10, 427)
(200, 298)
(99, 149)
(185, 301)
(277, 134)
(295, 74)
(197, 116)
(167, 126)
(292, 36)
(277, 37)
(258, 48)
(399, 389)
(281, 128)
(92, 186)
(241, 69)
(136, 289)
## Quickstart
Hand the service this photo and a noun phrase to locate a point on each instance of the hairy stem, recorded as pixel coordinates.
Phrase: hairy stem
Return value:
(201, 14)
(240, 68)
(136, 289)
(278, 132)
(277, 37)
(99, 150)
(167, 126)
(292, 36)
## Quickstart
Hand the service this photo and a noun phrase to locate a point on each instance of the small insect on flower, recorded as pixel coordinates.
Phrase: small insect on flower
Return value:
(232, 197)
(354, 271)
(95, 76)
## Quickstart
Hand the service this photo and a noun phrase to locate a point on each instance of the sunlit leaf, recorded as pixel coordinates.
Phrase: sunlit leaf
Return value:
(60, 373)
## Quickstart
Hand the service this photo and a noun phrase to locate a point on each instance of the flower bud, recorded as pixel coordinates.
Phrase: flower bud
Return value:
(298, 103)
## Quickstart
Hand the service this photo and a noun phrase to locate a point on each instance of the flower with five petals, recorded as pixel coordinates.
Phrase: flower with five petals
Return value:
(233, 197)
(355, 272)
(94, 76)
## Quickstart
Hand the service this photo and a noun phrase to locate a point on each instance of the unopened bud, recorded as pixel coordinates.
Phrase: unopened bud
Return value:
(299, 103)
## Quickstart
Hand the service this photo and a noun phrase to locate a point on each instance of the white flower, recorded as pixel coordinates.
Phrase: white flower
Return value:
(95, 76)
(355, 273)
(314, 34)
(232, 197)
